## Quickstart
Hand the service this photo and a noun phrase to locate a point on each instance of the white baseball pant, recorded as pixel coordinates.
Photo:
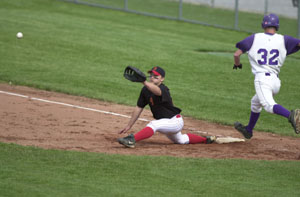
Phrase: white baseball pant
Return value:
(171, 127)
(266, 86)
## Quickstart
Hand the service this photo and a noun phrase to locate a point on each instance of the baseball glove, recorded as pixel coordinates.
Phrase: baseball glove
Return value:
(237, 66)
(133, 74)
(294, 119)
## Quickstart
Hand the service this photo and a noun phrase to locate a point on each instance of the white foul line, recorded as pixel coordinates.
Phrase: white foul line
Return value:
(70, 105)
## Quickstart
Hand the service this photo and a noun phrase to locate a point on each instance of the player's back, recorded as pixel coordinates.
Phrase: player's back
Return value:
(267, 53)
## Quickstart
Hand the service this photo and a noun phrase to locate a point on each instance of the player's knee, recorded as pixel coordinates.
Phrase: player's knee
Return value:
(269, 108)
(152, 126)
(179, 138)
(256, 109)
(181, 141)
(184, 139)
(255, 106)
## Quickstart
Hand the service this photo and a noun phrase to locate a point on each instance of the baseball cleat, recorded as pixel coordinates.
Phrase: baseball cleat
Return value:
(294, 119)
(210, 139)
(242, 129)
(128, 141)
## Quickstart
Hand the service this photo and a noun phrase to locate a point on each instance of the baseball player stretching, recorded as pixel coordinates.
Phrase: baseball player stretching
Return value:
(168, 119)
(267, 52)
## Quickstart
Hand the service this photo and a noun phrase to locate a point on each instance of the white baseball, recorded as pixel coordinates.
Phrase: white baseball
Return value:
(19, 35)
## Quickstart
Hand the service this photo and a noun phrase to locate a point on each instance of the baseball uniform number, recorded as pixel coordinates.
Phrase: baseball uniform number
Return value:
(264, 56)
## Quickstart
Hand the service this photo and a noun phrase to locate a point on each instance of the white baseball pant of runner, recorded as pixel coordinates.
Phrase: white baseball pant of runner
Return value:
(171, 127)
(266, 86)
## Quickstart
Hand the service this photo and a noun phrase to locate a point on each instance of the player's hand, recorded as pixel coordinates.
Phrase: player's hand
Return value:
(124, 130)
(237, 66)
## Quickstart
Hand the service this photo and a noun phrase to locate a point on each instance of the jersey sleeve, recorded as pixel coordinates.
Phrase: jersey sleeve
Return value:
(246, 44)
(142, 101)
(291, 44)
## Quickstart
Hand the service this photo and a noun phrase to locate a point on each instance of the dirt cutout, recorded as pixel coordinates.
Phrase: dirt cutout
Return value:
(30, 122)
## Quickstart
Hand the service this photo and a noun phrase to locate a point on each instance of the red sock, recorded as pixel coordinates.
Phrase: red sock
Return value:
(195, 139)
(144, 133)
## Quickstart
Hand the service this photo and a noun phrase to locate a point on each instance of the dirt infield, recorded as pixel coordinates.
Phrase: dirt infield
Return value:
(31, 122)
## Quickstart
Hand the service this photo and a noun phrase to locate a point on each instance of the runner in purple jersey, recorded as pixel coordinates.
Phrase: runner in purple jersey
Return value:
(291, 44)
(267, 52)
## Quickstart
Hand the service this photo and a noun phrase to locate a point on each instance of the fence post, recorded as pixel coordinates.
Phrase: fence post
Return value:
(236, 22)
(212, 3)
(266, 6)
(126, 5)
(180, 10)
(298, 18)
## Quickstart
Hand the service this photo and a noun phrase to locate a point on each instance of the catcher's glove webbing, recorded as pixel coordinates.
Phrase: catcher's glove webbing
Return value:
(133, 74)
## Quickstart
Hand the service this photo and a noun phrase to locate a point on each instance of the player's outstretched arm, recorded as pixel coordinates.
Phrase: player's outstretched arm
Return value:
(152, 88)
(135, 115)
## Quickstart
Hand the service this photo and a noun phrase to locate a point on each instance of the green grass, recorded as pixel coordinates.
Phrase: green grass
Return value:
(27, 171)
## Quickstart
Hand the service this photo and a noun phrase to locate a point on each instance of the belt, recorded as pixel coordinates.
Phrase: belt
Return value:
(269, 74)
(178, 116)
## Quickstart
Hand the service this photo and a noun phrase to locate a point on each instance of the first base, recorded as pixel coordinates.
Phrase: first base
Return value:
(225, 140)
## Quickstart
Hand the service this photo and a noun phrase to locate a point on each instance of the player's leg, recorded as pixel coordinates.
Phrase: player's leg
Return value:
(145, 133)
(178, 138)
(164, 125)
(131, 139)
(265, 95)
(167, 125)
(265, 87)
(265, 91)
(280, 110)
(256, 108)
(266, 98)
(189, 138)
(172, 129)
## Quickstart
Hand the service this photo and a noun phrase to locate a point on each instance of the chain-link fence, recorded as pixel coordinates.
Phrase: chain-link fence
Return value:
(241, 15)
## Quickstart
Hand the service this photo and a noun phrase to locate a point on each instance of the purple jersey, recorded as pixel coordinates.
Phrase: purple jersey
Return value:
(291, 44)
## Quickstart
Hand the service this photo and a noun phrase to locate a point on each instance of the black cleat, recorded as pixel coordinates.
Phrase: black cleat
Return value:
(210, 139)
(294, 118)
(128, 141)
(242, 129)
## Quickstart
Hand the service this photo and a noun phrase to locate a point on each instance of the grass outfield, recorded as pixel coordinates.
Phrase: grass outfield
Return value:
(27, 171)
(83, 50)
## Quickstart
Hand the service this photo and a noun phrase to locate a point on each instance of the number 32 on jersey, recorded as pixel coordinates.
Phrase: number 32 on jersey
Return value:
(268, 57)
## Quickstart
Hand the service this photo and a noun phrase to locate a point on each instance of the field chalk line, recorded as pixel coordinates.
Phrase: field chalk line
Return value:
(70, 105)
